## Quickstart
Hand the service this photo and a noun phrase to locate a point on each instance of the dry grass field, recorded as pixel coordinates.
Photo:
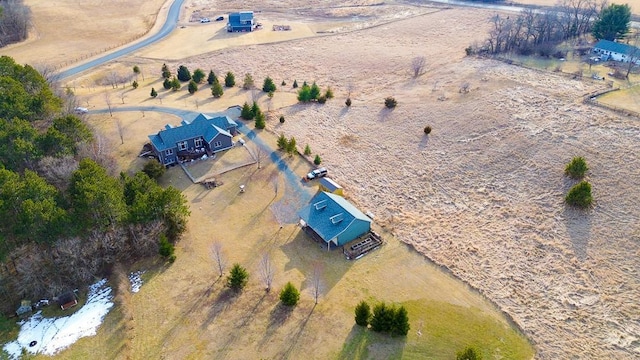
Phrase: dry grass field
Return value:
(481, 195)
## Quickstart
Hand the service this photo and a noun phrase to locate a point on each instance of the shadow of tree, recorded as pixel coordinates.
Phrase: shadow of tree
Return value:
(223, 301)
(578, 223)
(363, 343)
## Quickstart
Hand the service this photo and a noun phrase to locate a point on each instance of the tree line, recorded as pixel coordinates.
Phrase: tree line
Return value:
(67, 217)
(15, 18)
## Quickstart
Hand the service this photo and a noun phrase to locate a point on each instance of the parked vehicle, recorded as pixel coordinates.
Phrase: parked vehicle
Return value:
(317, 173)
(220, 18)
(205, 20)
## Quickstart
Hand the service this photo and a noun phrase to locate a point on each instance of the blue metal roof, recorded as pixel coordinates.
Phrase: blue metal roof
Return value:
(330, 215)
(615, 47)
(237, 18)
(202, 125)
(223, 122)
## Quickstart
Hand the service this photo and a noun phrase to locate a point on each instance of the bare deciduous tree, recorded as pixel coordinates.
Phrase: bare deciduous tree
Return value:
(107, 100)
(216, 253)
(123, 95)
(120, 130)
(316, 280)
(48, 72)
(417, 65)
(267, 272)
(57, 170)
(259, 154)
(100, 150)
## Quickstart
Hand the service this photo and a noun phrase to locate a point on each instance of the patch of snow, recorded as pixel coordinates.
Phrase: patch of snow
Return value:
(55, 334)
(136, 280)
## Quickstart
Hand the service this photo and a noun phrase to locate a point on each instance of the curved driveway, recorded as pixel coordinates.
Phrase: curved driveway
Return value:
(170, 24)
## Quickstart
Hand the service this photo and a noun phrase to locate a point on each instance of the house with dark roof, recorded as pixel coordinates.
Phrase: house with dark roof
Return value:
(332, 219)
(204, 135)
(610, 50)
(241, 21)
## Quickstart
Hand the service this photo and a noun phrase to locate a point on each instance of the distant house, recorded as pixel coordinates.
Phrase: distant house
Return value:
(610, 50)
(203, 135)
(332, 219)
(330, 186)
(241, 21)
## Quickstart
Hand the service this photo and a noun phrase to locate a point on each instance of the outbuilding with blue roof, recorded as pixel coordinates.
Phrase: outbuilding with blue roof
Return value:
(334, 220)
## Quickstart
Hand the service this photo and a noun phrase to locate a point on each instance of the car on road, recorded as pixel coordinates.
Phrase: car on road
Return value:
(317, 173)
(220, 18)
(80, 110)
(205, 20)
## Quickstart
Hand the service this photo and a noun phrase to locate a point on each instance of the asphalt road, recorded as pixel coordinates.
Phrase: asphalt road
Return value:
(167, 28)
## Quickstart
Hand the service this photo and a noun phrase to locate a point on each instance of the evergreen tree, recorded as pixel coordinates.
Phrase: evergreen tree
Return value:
(211, 78)
(166, 84)
(229, 80)
(166, 73)
(134, 84)
(154, 169)
(291, 146)
(382, 319)
(237, 278)
(216, 89)
(282, 142)
(136, 71)
(281, 119)
(284, 83)
(307, 150)
(268, 86)
(175, 84)
(314, 92)
(295, 84)
(580, 195)
(289, 295)
(166, 249)
(255, 109)
(198, 76)
(246, 112)
(193, 87)
(183, 73)
(348, 102)
(363, 313)
(612, 23)
(248, 82)
(317, 160)
(576, 168)
(304, 94)
(154, 93)
(260, 120)
(400, 322)
(329, 93)
(469, 353)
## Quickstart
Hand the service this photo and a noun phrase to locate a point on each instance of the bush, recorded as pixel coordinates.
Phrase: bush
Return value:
(175, 84)
(198, 76)
(193, 87)
(576, 168)
(322, 99)
(317, 160)
(165, 248)
(248, 82)
(348, 102)
(216, 90)
(468, 353)
(580, 195)
(165, 71)
(134, 84)
(166, 84)
(363, 313)
(427, 129)
(246, 112)
(154, 169)
(295, 84)
(183, 73)
(154, 93)
(282, 142)
(390, 102)
(329, 93)
(268, 86)
(237, 278)
(307, 150)
(284, 83)
(289, 296)
(211, 78)
(281, 119)
(229, 80)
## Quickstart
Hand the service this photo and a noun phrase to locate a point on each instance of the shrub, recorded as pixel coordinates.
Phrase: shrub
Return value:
(322, 99)
(580, 195)
(183, 73)
(281, 119)
(283, 83)
(229, 80)
(363, 313)
(165, 248)
(175, 84)
(576, 168)
(295, 84)
(282, 142)
(260, 121)
(134, 84)
(348, 102)
(246, 112)
(268, 86)
(468, 353)
(237, 278)
(248, 82)
(211, 78)
(198, 76)
(469, 50)
(165, 71)
(154, 169)
(289, 295)
(166, 84)
(307, 150)
(390, 102)
(427, 129)
(154, 93)
(216, 90)
(329, 93)
(317, 160)
(193, 87)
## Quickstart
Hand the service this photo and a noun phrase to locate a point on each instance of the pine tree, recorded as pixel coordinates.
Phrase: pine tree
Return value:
(246, 112)
(317, 160)
(382, 319)
(268, 86)
(468, 353)
(248, 82)
(198, 76)
(237, 278)
(166, 84)
(211, 78)
(289, 295)
(229, 80)
(183, 73)
(134, 84)
(166, 73)
(400, 322)
(282, 142)
(295, 84)
(193, 87)
(175, 84)
(291, 146)
(154, 93)
(260, 121)
(304, 94)
(216, 90)
(314, 91)
(255, 109)
(329, 93)
(307, 150)
(363, 313)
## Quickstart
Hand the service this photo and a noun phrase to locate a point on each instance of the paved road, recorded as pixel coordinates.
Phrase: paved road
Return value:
(167, 28)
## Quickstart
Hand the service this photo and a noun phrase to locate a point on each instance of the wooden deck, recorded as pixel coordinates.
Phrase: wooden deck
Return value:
(362, 246)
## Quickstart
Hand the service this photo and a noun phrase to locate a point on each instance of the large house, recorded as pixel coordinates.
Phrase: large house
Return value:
(334, 220)
(203, 135)
(610, 50)
(241, 21)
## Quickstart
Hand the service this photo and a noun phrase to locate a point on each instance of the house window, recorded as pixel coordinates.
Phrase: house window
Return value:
(182, 145)
(217, 144)
(169, 152)
(198, 142)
